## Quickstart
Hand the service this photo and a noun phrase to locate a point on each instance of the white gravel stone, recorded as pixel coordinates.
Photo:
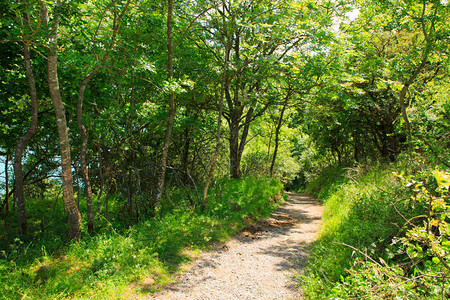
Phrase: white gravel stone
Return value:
(259, 263)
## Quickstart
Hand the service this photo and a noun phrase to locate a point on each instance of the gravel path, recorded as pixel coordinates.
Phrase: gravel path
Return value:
(259, 263)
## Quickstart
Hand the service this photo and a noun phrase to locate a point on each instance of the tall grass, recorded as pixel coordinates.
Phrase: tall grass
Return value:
(366, 208)
(128, 262)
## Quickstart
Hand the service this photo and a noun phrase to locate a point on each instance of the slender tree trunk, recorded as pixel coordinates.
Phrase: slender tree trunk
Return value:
(277, 133)
(107, 204)
(185, 155)
(101, 179)
(404, 91)
(84, 141)
(237, 144)
(243, 142)
(270, 142)
(165, 149)
(236, 111)
(77, 182)
(23, 141)
(138, 191)
(234, 146)
(186, 147)
(339, 155)
(6, 201)
(402, 100)
(219, 125)
(74, 217)
(419, 68)
(355, 148)
(83, 132)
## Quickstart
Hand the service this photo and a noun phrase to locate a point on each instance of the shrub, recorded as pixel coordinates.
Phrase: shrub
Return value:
(382, 238)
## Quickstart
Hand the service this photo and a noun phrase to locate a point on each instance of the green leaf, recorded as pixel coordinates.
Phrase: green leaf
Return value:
(435, 260)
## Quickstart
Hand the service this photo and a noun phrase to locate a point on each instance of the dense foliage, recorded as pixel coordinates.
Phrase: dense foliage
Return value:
(385, 234)
(117, 114)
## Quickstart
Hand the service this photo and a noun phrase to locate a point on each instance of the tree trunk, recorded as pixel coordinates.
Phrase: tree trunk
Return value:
(77, 182)
(138, 191)
(83, 132)
(100, 162)
(186, 147)
(74, 217)
(355, 148)
(23, 141)
(402, 100)
(246, 126)
(165, 149)
(219, 125)
(339, 155)
(84, 141)
(277, 133)
(404, 91)
(185, 155)
(5, 204)
(234, 145)
(106, 204)
(237, 144)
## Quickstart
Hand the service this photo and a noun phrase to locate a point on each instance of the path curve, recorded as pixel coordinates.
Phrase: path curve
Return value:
(259, 263)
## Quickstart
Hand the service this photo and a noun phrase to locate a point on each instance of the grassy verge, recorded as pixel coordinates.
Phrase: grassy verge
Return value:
(364, 246)
(119, 263)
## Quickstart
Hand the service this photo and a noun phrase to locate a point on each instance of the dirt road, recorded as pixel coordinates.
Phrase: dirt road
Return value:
(257, 264)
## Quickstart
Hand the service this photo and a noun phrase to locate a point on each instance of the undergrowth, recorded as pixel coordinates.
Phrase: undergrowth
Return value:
(373, 244)
(128, 262)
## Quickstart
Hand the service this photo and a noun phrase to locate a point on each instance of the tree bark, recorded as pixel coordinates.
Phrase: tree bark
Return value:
(100, 162)
(246, 127)
(84, 141)
(185, 155)
(74, 217)
(5, 204)
(23, 141)
(165, 149)
(237, 144)
(277, 133)
(355, 147)
(186, 147)
(219, 124)
(234, 145)
(402, 99)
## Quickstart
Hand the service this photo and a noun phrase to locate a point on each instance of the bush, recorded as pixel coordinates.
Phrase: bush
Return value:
(372, 244)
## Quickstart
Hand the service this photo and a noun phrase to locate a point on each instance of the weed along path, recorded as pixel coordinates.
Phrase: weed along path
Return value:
(259, 263)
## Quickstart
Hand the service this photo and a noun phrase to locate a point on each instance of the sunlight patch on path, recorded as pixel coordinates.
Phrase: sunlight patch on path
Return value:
(259, 263)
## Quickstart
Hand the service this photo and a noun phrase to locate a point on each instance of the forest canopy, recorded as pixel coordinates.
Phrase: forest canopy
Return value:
(114, 97)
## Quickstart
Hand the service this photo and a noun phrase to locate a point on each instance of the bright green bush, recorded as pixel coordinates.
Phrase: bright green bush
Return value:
(373, 243)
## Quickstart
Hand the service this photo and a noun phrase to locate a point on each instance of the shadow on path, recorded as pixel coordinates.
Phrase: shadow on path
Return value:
(260, 262)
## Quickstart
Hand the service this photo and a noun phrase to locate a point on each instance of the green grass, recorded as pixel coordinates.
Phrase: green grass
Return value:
(359, 212)
(128, 262)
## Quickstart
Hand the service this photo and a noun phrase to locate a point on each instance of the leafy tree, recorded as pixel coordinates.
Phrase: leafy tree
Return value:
(400, 45)
(22, 143)
(171, 103)
(74, 217)
(117, 19)
(262, 34)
